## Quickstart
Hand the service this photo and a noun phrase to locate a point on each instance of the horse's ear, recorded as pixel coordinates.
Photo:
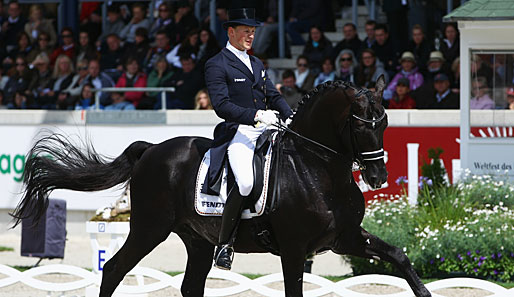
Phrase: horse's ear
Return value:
(380, 85)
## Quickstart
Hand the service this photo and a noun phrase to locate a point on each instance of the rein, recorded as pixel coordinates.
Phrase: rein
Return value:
(358, 157)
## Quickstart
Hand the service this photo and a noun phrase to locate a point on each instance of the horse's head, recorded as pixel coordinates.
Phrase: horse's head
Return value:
(368, 121)
(348, 120)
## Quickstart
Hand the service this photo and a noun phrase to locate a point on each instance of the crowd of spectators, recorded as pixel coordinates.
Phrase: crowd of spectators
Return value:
(45, 69)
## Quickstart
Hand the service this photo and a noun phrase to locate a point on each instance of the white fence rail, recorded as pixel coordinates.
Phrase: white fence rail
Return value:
(162, 280)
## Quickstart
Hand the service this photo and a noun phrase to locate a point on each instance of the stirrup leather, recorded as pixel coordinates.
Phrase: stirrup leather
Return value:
(224, 257)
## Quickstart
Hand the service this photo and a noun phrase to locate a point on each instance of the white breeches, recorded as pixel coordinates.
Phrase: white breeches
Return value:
(240, 156)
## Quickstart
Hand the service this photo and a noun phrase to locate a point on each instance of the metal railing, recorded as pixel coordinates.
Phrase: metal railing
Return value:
(149, 89)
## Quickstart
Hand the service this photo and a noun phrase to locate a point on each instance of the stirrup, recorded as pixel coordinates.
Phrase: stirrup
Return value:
(224, 256)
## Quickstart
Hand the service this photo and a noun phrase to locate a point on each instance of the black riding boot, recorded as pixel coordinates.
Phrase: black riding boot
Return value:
(229, 222)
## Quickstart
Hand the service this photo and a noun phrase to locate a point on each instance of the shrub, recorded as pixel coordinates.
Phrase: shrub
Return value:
(463, 229)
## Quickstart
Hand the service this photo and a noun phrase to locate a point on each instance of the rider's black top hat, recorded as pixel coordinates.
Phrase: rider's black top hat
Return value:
(241, 16)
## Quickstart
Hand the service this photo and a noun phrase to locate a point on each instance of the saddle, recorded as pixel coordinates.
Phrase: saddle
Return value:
(261, 169)
(258, 202)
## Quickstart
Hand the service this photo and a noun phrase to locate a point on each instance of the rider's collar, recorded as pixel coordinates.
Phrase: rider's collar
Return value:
(239, 53)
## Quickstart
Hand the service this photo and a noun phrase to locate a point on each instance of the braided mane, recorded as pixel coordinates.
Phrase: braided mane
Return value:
(314, 94)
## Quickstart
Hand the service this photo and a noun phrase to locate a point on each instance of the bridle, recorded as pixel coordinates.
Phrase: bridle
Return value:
(358, 157)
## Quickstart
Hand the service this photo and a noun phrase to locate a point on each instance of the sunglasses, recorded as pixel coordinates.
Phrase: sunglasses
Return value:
(82, 68)
(20, 64)
(302, 65)
(163, 10)
(66, 36)
(346, 59)
(43, 39)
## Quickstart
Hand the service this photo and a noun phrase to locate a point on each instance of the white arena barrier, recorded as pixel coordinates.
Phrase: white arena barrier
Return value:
(90, 282)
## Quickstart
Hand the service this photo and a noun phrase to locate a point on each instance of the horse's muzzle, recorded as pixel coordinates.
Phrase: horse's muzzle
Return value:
(375, 174)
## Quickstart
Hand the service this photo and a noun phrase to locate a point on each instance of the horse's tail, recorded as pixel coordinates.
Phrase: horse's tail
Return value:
(55, 163)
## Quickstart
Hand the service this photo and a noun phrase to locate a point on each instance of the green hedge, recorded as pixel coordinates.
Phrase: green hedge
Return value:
(465, 229)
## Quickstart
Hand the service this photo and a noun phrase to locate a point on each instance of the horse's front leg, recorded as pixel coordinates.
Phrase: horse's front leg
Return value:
(367, 245)
(292, 260)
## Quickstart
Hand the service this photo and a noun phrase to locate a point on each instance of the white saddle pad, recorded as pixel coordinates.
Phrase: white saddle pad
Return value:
(209, 205)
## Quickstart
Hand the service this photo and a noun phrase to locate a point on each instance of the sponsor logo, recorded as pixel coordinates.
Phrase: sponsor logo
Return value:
(12, 165)
(239, 79)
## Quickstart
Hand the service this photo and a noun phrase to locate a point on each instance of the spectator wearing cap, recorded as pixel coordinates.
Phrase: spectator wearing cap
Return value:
(420, 47)
(351, 41)
(409, 71)
(345, 64)
(480, 92)
(401, 98)
(435, 65)
(317, 48)
(510, 98)
(444, 98)
(139, 20)
(113, 25)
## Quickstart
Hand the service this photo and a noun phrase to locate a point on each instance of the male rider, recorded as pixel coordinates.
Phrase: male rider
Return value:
(244, 96)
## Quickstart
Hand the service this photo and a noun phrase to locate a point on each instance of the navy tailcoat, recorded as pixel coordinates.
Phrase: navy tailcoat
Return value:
(236, 95)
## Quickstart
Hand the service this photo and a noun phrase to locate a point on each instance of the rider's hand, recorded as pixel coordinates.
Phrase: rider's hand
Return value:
(267, 117)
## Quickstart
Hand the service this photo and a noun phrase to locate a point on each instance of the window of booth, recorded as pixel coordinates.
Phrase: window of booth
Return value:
(491, 98)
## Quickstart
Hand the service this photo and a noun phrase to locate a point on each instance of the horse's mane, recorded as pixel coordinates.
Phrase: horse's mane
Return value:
(313, 95)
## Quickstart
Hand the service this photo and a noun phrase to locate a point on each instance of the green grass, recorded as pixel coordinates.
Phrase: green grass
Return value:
(6, 249)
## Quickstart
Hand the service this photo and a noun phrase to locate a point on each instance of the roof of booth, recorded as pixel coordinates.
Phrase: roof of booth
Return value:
(482, 10)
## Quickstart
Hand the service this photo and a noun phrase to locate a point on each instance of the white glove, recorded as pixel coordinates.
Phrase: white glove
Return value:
(288, 121)
(267, 117)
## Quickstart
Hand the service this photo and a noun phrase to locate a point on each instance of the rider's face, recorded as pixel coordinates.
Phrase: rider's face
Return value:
(241, 37)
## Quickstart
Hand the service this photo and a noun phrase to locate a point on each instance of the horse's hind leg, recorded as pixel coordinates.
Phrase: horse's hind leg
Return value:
(199, 262)
(138, 244)
(367, 245)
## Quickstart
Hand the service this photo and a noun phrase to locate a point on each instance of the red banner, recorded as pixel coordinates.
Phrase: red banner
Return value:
(395, 146)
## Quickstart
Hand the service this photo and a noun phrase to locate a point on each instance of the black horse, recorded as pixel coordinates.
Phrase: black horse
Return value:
(320, 206)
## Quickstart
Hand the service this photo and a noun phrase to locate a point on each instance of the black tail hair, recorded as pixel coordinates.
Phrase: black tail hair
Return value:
(55, 163)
